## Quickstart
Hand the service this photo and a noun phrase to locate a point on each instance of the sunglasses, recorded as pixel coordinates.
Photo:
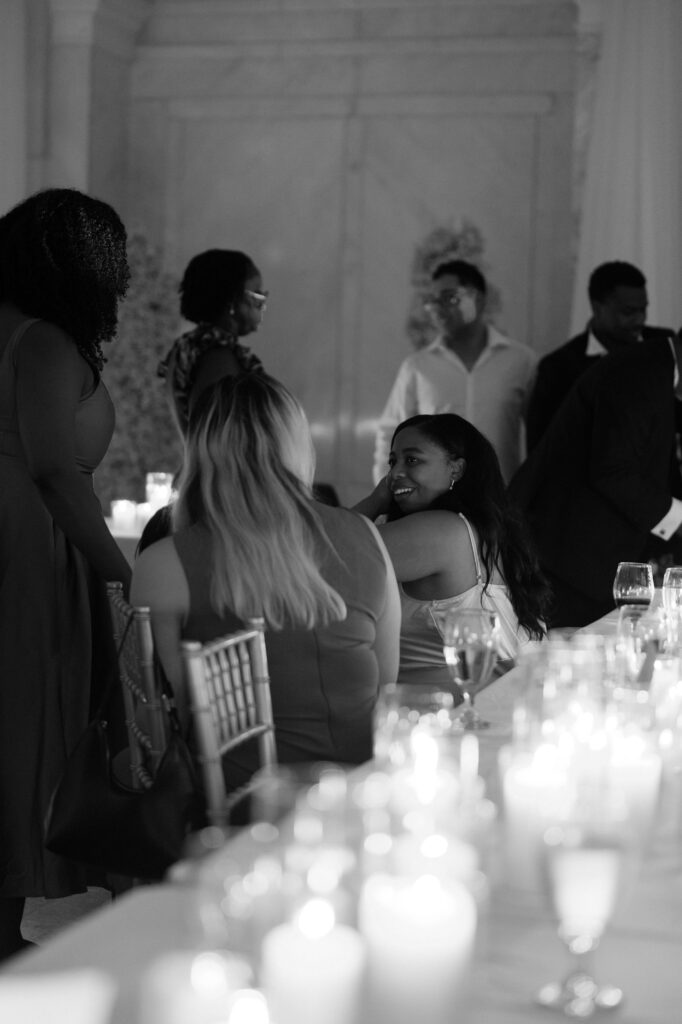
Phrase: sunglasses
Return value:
(257, 299)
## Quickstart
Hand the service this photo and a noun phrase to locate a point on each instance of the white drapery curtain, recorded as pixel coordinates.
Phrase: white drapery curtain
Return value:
(632, 195)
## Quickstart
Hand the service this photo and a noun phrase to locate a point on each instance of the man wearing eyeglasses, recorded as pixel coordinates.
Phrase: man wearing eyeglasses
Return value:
(470, 368)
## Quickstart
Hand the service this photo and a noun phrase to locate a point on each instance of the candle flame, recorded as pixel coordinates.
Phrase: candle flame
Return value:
(468, 757)
(316, 918)
(434, 846)
(249, 1007)
(207, 974)
(424, 778)
(378, 843)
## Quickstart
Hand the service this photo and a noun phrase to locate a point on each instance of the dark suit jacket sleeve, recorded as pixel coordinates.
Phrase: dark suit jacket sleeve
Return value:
(541, 404)
(633, 430)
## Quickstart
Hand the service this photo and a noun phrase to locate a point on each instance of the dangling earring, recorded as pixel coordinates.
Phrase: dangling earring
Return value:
(452, 484)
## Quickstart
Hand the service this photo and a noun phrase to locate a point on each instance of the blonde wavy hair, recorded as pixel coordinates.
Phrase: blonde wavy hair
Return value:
(247, 478)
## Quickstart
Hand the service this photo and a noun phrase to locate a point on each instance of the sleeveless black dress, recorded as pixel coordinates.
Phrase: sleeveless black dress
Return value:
(55, 644)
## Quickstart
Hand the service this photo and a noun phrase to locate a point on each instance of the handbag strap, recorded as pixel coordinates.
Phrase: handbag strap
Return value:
(114, 680)
(166, 688)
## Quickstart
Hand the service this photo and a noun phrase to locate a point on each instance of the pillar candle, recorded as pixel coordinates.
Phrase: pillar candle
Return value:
(311, 968)
(201, 988)
(124, 515)
(535, 792)
(636, 773)
(420, 934)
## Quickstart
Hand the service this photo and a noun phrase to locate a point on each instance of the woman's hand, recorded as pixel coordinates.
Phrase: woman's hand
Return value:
(378, 502)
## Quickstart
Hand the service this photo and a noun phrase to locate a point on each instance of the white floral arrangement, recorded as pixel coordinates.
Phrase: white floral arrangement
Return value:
(462, 241)
(145, 439)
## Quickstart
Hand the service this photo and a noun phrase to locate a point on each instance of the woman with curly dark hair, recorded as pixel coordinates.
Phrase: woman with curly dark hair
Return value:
(63, 269)
(478, 557)
(222, 293)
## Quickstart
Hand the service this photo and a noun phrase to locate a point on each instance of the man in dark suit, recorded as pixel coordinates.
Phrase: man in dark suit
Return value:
(603, 481)
(618, 299)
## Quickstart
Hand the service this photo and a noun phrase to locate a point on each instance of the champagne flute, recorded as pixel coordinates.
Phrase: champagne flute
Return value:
(633, 584)
(470, 649)
(672, 589)
(587, 861)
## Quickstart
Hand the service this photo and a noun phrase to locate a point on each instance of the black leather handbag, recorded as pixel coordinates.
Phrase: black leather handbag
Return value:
(96, 819)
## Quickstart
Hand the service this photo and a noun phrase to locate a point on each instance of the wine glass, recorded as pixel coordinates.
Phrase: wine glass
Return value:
(638, 643)
(402, 707)
(587, 862)
(470, 649)
(672, 589)
(633, 584)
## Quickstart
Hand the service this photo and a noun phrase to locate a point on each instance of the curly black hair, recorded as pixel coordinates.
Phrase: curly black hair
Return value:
(63, 259)
(214, 280)
(480, 494)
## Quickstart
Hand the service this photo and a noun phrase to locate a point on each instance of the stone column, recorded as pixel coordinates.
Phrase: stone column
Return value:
(13, 103)
(92, 48)
(70, 91)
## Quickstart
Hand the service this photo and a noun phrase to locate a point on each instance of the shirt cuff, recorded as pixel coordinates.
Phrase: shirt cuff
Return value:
(670, 522)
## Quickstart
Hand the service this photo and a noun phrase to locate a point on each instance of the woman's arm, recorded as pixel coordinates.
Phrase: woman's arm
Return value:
(159, 583)
(433, 544)
(377, 503)
(51, 376)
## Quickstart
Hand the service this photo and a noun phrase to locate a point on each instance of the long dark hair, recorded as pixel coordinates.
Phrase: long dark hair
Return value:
(63, 259)
(480, 494)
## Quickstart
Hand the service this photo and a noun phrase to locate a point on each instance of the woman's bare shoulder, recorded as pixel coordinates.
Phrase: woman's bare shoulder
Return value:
(159, 581)
(440, 522)
(46, 343)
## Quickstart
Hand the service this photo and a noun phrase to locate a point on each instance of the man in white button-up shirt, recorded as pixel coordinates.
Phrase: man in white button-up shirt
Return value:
(471, 369)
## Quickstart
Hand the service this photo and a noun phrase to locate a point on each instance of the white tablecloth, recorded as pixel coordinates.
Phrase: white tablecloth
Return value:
(519, 950)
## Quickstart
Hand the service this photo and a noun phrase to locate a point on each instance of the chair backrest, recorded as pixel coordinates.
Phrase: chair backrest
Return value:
(145, 711)
(229, 691)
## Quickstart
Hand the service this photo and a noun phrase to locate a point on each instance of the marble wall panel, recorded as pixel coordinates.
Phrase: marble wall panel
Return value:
(149, 168)
(419, 174)
(404, 68)
(230, 72)
(472, 68)
(379, 19)
(274, 189)
(235, 23)
(109, 129)
(327, 137)
(331, 208)
(472, 19)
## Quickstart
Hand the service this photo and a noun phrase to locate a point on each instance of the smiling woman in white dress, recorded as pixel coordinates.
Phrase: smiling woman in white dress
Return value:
(455, 541)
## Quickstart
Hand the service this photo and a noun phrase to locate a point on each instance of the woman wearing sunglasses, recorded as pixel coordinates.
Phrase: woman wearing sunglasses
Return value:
(222, 294)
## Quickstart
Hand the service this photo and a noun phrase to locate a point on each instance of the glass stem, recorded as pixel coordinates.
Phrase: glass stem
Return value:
(582, 956)
(583, 963)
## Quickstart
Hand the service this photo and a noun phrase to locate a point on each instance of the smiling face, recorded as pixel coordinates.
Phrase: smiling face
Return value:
(420, 470)
(619, 317)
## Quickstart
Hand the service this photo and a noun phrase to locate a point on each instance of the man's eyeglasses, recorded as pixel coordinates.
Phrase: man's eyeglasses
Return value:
(444, 299)
(257, 299)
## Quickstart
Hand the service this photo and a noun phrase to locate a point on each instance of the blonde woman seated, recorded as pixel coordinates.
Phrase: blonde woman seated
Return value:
(250, 540)
(455, 541)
